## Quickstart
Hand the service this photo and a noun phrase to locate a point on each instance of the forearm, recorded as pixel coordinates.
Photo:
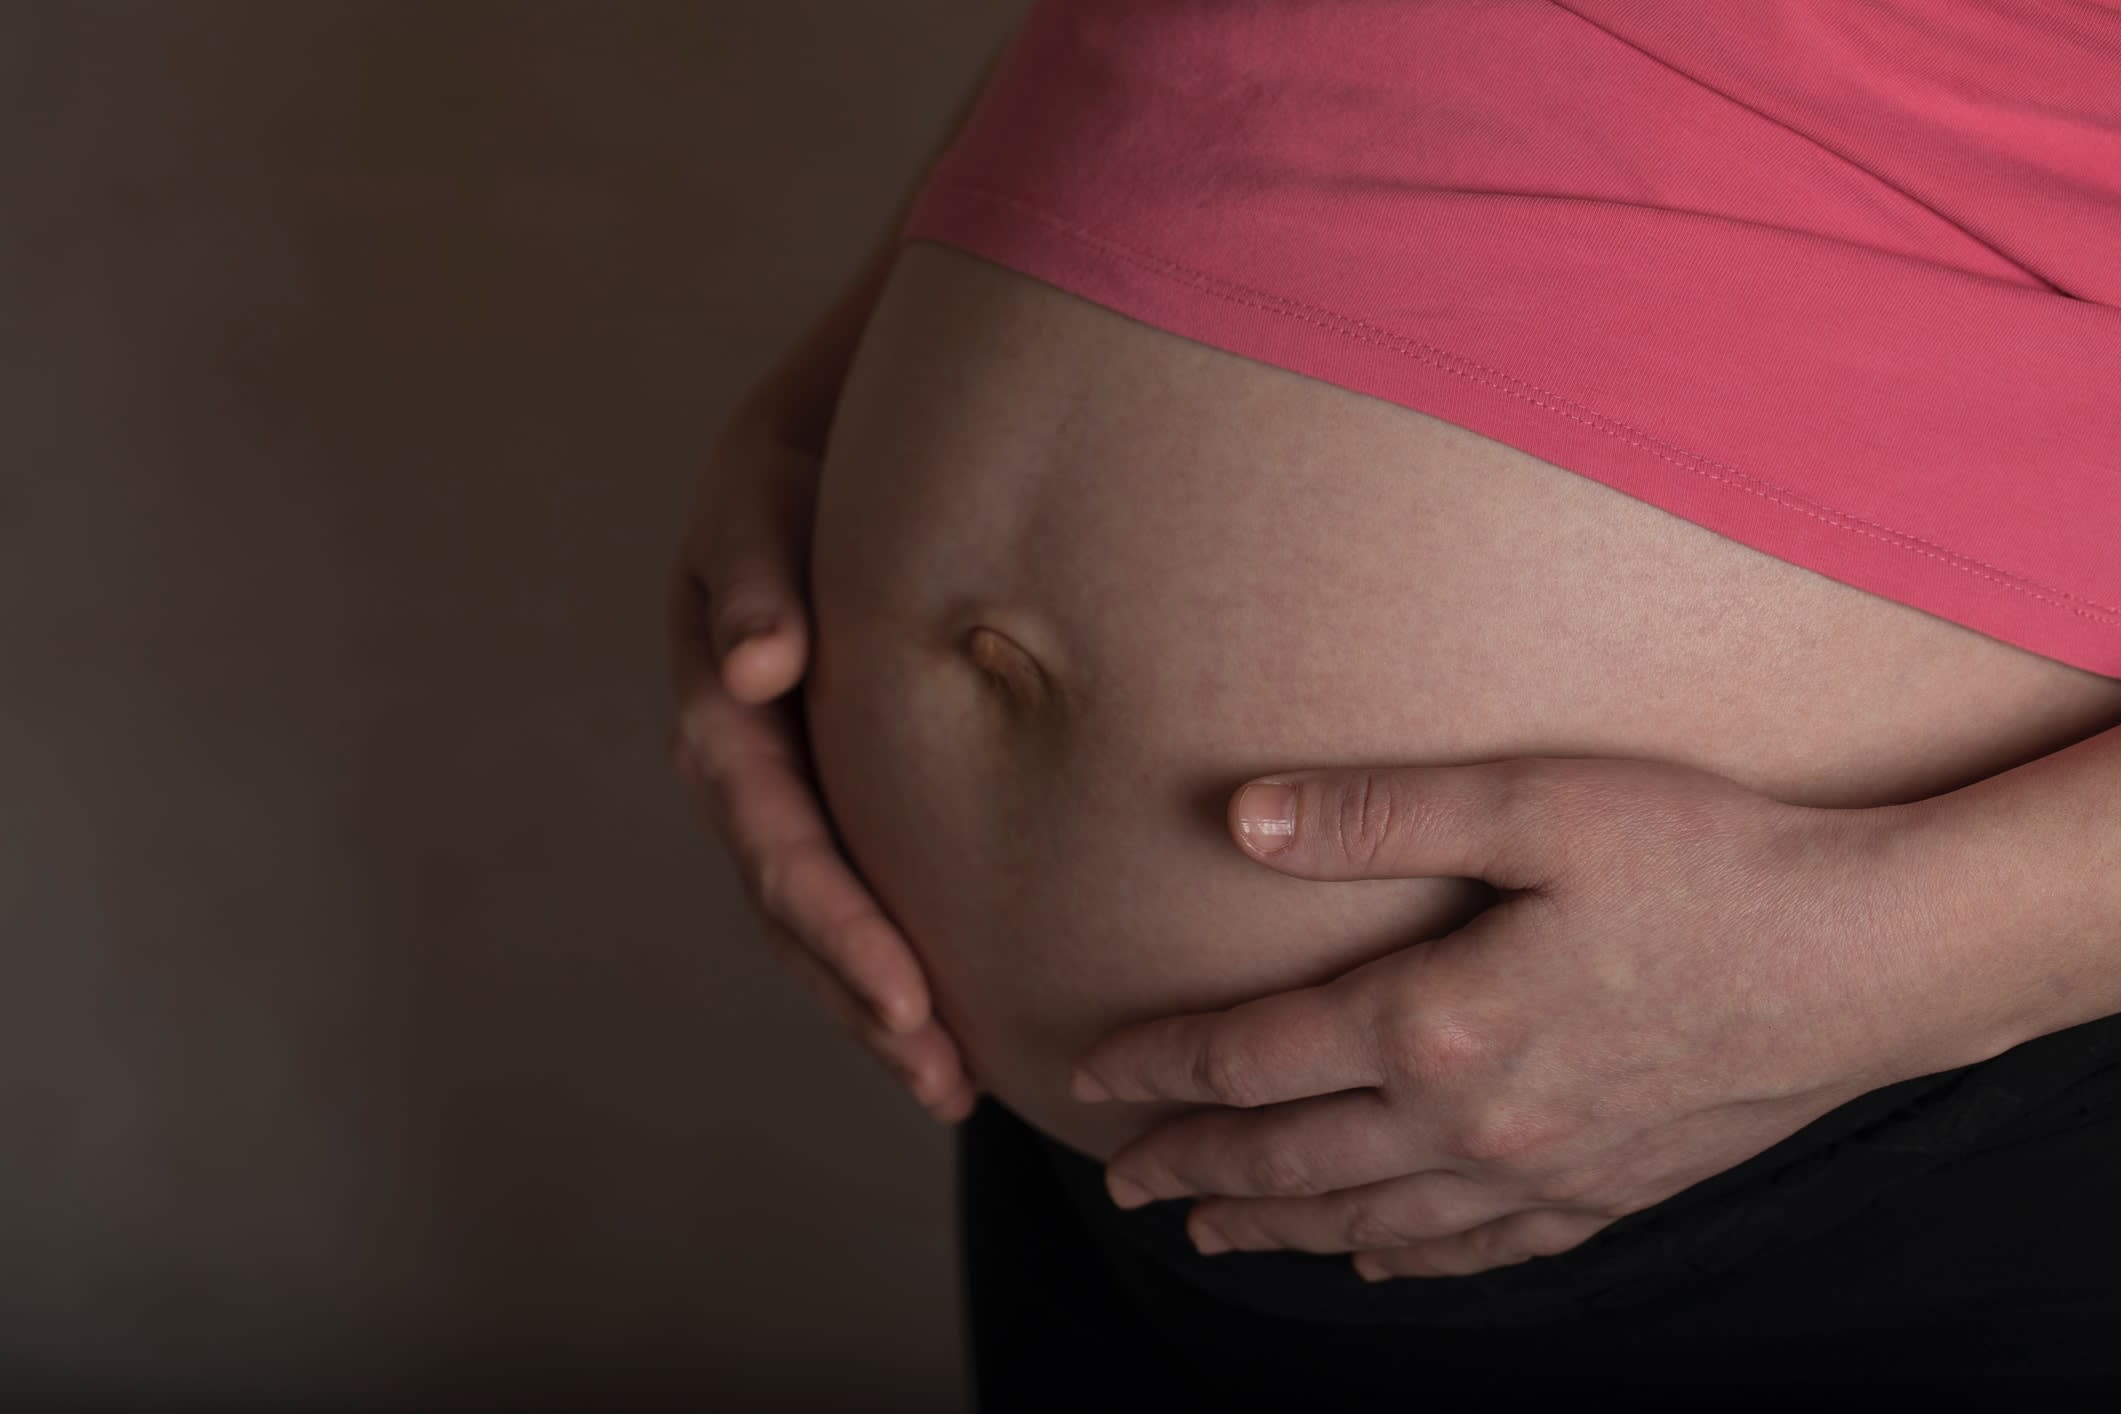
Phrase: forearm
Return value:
(2023, 873)
(798, 394)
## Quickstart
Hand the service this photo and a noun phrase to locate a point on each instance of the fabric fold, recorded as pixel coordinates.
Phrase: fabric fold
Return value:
(1835, 282)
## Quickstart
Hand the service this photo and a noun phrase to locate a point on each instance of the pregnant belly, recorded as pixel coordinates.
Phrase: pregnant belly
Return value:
(1075, 579)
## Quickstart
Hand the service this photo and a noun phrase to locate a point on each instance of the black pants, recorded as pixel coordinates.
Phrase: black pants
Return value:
(1947, 1231)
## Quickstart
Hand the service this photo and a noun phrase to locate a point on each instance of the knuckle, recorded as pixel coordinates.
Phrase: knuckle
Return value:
(1225, 1075)
(1496, 1244)
(1521, 783)
(1370, 1228)
(1282, 1172)
(1558, 797)
(1156, 1174)
(1365, 813)
(1433, 1049)
(713, 780)
(1500, 1135)
(1242, 1232)
(1569, 1187)
(778, 880)
(768, 881)
(1567, 794)
(1562, 782)
(821, 984)
(695, 734)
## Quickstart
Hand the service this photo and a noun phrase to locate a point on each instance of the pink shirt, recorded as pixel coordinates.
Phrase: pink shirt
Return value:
(1839, 281)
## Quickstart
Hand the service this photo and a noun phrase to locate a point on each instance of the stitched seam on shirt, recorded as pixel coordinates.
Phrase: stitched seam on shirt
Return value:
(1351, 327)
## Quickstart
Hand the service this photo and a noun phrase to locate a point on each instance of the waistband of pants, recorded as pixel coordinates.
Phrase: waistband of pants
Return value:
(1813, 1179)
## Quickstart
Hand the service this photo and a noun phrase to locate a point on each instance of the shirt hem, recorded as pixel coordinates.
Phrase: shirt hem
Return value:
(1306, 338)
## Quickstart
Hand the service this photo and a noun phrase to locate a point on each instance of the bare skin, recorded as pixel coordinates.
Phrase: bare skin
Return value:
(1682, 972)
(1074, 579)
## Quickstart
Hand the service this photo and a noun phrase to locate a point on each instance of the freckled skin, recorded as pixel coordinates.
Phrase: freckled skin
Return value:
(1077, 579)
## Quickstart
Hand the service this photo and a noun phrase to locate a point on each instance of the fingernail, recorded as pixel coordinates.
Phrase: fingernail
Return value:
(1208, 1241)
(1369, 1271)
(1266, 816)
(1088, 1088)
(1126, 1192)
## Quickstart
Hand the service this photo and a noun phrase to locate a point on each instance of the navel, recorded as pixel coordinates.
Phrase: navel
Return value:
(1008, 665)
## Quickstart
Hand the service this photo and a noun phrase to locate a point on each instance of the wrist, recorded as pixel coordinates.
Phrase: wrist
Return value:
(1951, 996)
(2013, 883)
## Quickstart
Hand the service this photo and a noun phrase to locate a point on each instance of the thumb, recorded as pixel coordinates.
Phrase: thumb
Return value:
(1489, 820)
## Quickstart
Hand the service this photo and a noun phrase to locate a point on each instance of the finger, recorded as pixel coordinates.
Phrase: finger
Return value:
(927, 1083)
(739, 637)
(927, 1061)
(760, 801)
(1504, 1242)
(1289, 1046)
(1289, 1150)
(740, 571)
(927, 1058)
(826, 987)
(953, 1099)
(1488, 820)
(931, 1064)
(754, 654)
(1407, 1209)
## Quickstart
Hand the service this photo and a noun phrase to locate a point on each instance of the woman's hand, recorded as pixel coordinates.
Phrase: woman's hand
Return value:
(1680, 973)
(739, 641)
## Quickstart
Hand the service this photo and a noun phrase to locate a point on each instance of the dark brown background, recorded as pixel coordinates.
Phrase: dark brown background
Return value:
(375, 1022)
